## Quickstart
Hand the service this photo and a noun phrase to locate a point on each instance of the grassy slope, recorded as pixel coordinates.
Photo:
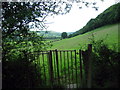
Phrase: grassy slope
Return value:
(82, 40)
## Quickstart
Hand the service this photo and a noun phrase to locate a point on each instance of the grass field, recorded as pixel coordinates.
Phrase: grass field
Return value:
(109, 33)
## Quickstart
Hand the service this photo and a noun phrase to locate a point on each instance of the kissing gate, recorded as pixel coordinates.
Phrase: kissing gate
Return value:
(66, 68)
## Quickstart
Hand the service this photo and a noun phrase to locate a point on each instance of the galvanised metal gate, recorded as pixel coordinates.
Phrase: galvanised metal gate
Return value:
(65, 68)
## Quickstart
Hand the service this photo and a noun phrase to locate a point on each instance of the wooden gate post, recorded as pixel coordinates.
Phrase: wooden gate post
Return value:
(51, 68)
(87, 66)
(89, 76)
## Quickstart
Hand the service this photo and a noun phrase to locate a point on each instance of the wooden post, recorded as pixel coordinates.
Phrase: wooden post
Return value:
(51, 68)
(89, 78)
(85, 66)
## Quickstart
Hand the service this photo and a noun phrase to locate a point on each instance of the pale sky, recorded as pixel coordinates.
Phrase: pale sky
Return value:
(76, 18)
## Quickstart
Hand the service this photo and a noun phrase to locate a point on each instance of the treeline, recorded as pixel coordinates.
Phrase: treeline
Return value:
(51, 37)
(109, 16)
(48, 34)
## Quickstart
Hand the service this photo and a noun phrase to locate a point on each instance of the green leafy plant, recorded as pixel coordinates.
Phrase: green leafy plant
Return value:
(105, 65)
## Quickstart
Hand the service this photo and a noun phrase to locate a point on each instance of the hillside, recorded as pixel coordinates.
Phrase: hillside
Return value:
(108, 32)
(109, 16)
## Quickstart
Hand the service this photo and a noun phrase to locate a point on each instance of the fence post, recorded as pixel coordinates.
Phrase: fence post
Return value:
(89, 76)
(51, 68)
(56, 52)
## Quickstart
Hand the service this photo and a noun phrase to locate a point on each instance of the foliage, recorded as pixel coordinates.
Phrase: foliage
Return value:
(19, 69)
(105, 65)
(64, 35)
(109, 16)
(21, 73)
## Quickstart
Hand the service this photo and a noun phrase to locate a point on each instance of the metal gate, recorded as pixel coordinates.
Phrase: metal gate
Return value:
(65, 68)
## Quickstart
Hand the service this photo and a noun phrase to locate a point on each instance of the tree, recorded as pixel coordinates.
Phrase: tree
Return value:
(64, 35)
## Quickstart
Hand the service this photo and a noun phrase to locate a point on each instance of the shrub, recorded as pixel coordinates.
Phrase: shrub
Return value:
(105, 65)
(21, 73)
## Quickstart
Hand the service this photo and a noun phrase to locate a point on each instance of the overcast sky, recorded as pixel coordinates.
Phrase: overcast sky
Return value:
(76, 18)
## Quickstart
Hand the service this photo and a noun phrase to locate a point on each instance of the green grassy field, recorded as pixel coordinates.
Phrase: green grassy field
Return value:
(109, 33)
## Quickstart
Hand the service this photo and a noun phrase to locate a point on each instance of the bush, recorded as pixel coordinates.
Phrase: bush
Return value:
(105, 65)
(105, 68)
(21, 73)
(19, 69)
